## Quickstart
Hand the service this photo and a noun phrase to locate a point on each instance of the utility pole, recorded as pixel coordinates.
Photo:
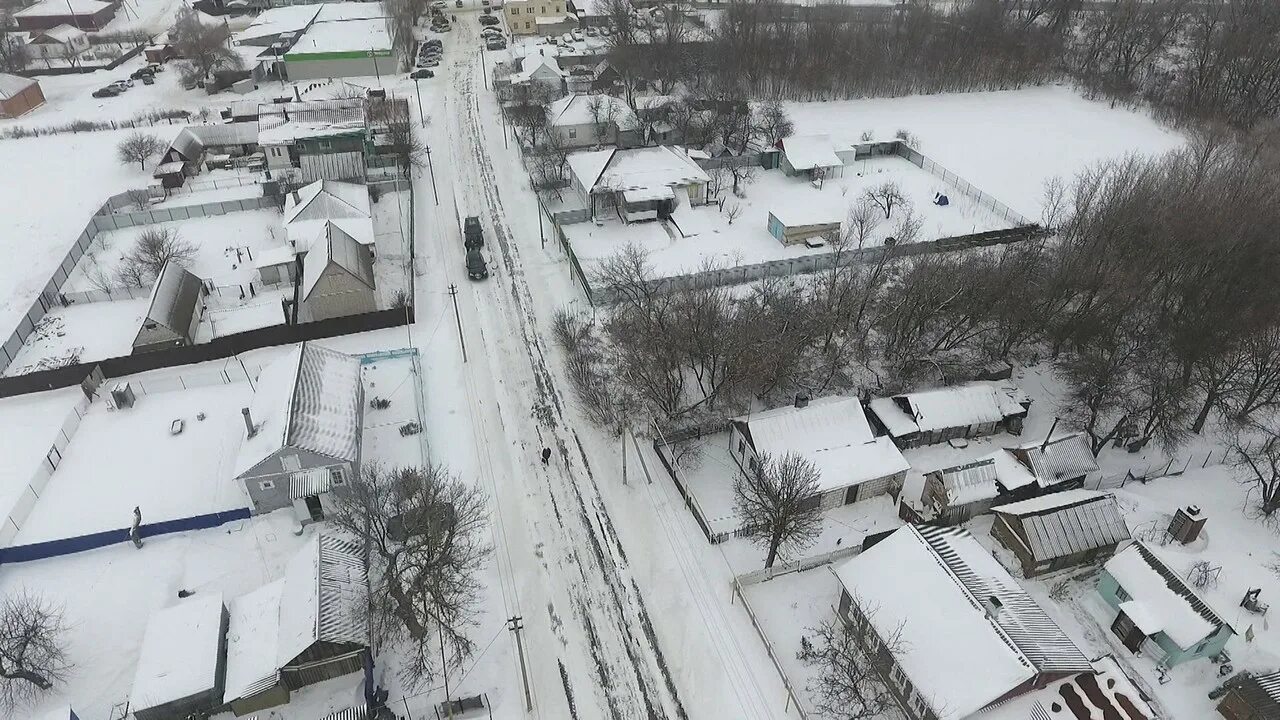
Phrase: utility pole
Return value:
(516, 625)
(444, 670)
(432, 168)
(417, 86)
(484, 70)
(541, 235)
(623, 438)
(376, 73)
(453, 293)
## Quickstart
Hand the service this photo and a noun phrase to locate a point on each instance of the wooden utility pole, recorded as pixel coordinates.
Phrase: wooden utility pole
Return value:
(453, 293)
(516, 625)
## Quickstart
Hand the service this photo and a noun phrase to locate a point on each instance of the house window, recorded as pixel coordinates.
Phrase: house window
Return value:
(526, 26)
(267, 485)
(919, 705)
(742, 447)
(573, 133)
(325, 144)
(542, 9)
(751, 463)
(899, 679)
(337, 476)
(1121, 595)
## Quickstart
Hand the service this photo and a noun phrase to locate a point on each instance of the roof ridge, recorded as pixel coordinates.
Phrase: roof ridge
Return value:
(1193, 598)
(293, 394)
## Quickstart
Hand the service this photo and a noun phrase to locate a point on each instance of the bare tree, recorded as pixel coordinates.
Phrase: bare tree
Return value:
(908, 139)
(139, 147)
(732, 211)
(742, 175)
(860, 223)
(33, 652)
(155, 247)
(390, 117)
(203, 48)
(424, 529)
(851, 662)
(1255, 458)
(603, 111)
(139, 199)
(13, 51)
(1053, 201)
(778, 503)
(773, 124)
(885, 196)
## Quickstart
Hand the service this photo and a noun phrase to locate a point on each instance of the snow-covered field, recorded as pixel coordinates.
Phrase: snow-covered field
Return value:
(31, 424)
(65, 179)
(1006, 143)
(225, 248)
(708, 233)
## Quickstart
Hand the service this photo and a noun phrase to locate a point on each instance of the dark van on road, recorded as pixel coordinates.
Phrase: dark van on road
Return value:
(476, 267)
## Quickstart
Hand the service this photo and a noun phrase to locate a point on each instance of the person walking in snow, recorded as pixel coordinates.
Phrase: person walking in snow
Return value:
(546, 455)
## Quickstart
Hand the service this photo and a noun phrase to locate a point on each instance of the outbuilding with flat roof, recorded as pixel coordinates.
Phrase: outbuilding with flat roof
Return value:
(183, 660)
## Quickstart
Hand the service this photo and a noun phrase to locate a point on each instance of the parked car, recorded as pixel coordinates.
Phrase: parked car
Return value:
(488, 20)
(430, 62)
(434, 42)
(485, 3)
(142, 72)
(106, 92)
(575, 34)
(439, 5)
(121, 85)
(495, 44)
(490, 31)
(592, 32)
(421, 74)
(476, 267)
(148, 79)
(472, 234)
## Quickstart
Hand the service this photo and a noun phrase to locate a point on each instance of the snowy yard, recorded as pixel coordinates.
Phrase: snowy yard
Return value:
(108, 595)
(31, 423)
(227, 314)
(65, 180)
(225, 248)
(168, 476)
(706, 234)
(80, 333)
(391, 379)
(1006, 143)
(391, 223)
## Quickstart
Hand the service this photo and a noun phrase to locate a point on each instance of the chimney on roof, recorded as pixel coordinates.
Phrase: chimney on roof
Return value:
(1049, 434)
(993, 607)
(802, 400)
(248, 423)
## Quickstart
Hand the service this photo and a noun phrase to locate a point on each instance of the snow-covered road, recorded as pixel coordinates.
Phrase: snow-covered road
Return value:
(592, 647)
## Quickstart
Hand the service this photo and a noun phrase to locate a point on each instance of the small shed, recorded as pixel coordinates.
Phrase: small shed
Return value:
(19, 95)
(174, 312)
(831, 433)
(184, 654)
(1251, 697)
(1157, 612)
(337, 277)
(1060, 463)
(187, 149)
(307, 412)
(960, 492)
(171, 174)
(276, 265)
(792, 224)
(812, 155)
(1060, 530)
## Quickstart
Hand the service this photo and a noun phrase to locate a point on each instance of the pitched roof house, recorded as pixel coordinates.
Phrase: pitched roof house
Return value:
(960, 411)
(174, 311)
(831, 433)
(337, 276)
(18, 95)
(808, 154)
(585, 120)
(327, 200)
(967, 636)
(1059, 462)
(300, 629)
(1060, 530)
(307, 412)
(643, 183)
(1157, 612)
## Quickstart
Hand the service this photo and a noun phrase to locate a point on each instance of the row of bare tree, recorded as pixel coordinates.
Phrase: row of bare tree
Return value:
(1154, 304)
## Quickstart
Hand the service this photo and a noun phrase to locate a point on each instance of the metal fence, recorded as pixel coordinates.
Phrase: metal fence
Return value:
(793, 700)
(1152, 470)
(194, 186)
(30, 493)
(984, 200)
(800, 565)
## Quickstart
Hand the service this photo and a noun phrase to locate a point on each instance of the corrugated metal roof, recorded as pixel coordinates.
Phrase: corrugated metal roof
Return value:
(1262, 693)
(970, 483)
(336, 247)
(1082, 524)
(355, 713)
(343, 585)
(325, 413)
(1062, 459)
(1026, 625)
(187, 145)
(174, 298)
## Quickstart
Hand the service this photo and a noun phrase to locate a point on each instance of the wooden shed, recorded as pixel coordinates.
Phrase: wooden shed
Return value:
(792, 225)
(1060, 530)
(1251, 697)
(183, 660)
(174, 313)
(19, 95)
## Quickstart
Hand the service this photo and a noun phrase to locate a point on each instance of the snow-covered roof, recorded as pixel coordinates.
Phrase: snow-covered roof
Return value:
(1163, 601)
(1066, 523)
(576, 110)
(324, 585)
(63, 33)
(302, 234)
(635, 169)
(232, 133)
(368, 35)
(327, 200)
(550, 19)
(1060, 459)
(308, 399)
(806, 152)
(338, 11)
(793, 214)
(1010, 472)
(282, 255)
(12, 85)
(969, 483)
(174, 299)
(252, 641)
(336, 247)
(532, 64)
(46, 8)
(930, 584)
(62, 712)
(831, 433)
(956, 406)
(1261, 693)
(179, 656)
(296, 130)
(1103, 692)
(277, 20)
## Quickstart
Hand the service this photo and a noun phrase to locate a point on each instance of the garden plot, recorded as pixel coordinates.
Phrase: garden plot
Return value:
(130, 457)
(225, 246)
(107, 596)
(708, 234)
(80, 333)
(1006, 143)
(65, 179)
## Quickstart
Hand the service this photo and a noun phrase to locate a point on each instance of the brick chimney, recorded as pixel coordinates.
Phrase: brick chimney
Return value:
(248, 422)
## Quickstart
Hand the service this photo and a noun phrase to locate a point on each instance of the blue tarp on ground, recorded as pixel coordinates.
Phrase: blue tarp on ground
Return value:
(93, 541)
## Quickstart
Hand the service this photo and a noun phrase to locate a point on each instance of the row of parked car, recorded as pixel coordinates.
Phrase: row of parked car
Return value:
(147, 74)
(429, 54)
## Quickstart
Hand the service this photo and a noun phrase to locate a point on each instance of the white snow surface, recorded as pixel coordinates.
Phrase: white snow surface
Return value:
(1048, 502)
(833, 434)
(179, 655)
(300, 603)
(326, 200)
(807, 152)
(365, 35)
(951, 651)
(252, 638)
(1161, 607)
